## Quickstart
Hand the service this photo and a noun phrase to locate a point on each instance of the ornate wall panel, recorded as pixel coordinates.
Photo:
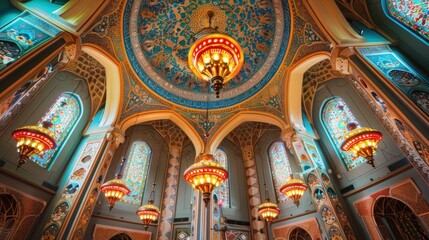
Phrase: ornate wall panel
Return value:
(107, 232)
(19, 213)
(405, 191)
(310, 225)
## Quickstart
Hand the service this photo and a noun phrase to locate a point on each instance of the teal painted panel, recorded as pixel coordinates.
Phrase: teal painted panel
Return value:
(22, 35)
(395, 68)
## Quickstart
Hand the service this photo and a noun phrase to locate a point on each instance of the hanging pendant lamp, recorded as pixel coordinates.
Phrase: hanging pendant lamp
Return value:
(115, 189)
(215, 57)
(33, 140)
(148, 213)
(294, 189)
(362, 142)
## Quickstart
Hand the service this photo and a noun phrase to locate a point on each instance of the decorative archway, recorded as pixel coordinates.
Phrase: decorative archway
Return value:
(395, 220)
(244, 116)
(299, 234)
(165, 115)
(293, 89)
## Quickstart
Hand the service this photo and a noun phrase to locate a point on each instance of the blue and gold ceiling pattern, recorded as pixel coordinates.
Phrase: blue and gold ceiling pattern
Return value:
(158, 35)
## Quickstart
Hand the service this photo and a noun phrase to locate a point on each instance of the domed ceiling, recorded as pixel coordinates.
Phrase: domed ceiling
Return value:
(159, 33)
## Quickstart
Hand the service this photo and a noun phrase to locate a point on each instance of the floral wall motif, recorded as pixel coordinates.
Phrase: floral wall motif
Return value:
(66, 200)
(412, 14)
(22, 35)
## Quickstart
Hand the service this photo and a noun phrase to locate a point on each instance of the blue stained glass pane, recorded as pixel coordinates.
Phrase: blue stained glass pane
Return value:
(63, 115)
(280, 167)
(335, 116)
(223, 190)
(136, 170)
(411, 13)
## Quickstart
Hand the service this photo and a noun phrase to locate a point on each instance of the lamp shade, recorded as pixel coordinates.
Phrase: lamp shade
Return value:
(32, 140)
(294, 189)
(148, 213)
(205, 175)
(268, 210)
(114, 190)
(217, 58)
(362, 142)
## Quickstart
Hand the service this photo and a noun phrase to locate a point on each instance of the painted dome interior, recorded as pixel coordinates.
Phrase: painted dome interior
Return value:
(159, 34)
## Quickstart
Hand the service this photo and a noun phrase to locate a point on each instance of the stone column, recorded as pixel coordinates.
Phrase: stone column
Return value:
(175, 138)
(170, 195)
(254, 195)
(246, 135)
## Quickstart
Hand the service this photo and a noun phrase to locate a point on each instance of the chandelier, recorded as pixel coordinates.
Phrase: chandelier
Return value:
(294, 189)
(362, 142)
(33, 140)
(115, 189)
(215, 57)
(268, 210)
(205, 175)
(148, 213)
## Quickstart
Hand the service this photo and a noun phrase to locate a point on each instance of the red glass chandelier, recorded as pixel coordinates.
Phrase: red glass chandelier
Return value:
(115, 189)
(33, 140)
(362, 142)
(148, 213)
(294, 189)
(205, 175)
(215, 57)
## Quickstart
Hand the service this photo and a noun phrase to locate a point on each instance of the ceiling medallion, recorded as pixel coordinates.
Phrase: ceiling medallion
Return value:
(215, 57)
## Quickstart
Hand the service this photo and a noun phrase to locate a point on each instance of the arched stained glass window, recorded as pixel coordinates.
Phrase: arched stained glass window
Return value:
(136, 170)
(411, 13)
(63, 115)
(223, 190)
(280, 167)
(335, 116)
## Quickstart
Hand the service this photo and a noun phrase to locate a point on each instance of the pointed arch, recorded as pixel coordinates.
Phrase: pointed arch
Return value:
(293, 89)
(241, 117)
(223, 190)
(335, 115)
(395, 219)
(299, 234)
(136, 171)
(114, 84)
(64, 113)
(165, 115)
(279, 165)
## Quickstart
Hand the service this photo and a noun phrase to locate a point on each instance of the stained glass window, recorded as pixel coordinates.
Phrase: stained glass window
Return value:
(223, 190)
(411, 13)
(335, 116)
(63, 115)
(279, 165)
(136, 170)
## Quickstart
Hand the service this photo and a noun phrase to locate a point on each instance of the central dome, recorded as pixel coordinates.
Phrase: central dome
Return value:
(158, 35)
